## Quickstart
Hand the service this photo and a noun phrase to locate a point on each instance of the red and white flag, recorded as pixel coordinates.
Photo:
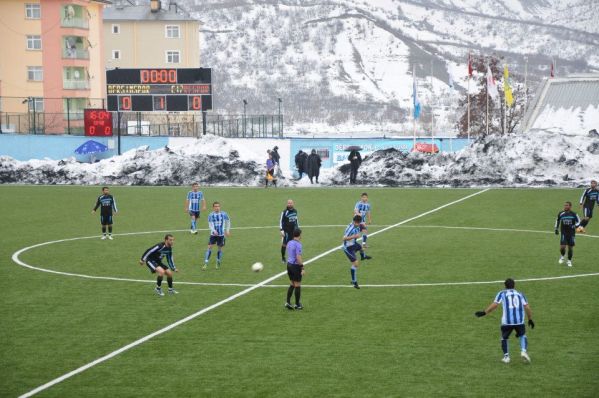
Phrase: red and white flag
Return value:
(491, 85)
(469, 65)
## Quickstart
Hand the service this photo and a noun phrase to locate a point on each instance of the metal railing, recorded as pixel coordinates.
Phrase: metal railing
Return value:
(71, 84)
(75, 53)
(248, 126)
(74, 22)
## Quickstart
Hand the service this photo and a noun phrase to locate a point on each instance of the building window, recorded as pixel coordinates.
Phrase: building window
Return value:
(75, 78)
(172, 32)
(173, 57)
(34, 42)
(116, 54)
(116, 29)
(36, 104)
(73, 107)
(33, 11)
(35, 73)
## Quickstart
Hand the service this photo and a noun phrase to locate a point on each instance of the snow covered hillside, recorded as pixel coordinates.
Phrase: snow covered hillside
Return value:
(348, 63)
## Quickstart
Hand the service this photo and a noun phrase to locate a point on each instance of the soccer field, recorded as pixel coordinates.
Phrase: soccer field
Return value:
(410, 331)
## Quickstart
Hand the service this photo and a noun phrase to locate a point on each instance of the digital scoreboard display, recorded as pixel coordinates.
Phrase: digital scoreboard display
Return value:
(159, 90)
(97, 123)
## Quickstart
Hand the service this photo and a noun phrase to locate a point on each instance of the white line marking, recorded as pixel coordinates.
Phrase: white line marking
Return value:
(17, 260)
(220, 303)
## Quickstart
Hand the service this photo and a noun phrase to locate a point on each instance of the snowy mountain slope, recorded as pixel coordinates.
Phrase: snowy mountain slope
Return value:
(350, 63)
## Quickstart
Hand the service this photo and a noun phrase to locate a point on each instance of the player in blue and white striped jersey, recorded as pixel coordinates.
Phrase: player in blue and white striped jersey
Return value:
(351, 246)
(363, 208)
(220, 227)
(192, 205)
(514, 306)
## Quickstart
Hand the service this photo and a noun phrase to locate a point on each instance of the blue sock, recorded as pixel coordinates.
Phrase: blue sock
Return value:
(523, 343)
(364, 237)
(207, 255)
(219, 256)
(504, 346)
(193, 224)
(353, 272)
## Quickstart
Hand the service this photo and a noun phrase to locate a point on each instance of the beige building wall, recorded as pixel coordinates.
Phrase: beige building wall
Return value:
(14, 56)
(143, 44)
(97, 69)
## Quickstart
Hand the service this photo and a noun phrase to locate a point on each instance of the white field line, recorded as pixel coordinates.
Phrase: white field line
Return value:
(17, 260)
(17, 254)
(220, 303)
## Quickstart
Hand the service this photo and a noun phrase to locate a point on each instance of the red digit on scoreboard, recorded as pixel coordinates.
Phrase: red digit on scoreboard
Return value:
(195, 103)
(125, 103)
(158, 76)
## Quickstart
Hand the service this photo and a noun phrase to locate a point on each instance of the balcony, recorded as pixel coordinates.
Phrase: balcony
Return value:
(72, 84)
(74, 16)
(81, 23)
(75, 53)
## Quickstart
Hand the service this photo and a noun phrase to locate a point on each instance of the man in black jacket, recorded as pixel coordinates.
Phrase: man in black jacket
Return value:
(300, 163)
(313, 168)
(355, 160)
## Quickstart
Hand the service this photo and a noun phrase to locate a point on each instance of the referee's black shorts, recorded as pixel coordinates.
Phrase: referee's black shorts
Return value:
(295, 272)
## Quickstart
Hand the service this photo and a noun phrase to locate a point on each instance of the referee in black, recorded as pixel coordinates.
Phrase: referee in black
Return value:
(295, 270)
(287, 224)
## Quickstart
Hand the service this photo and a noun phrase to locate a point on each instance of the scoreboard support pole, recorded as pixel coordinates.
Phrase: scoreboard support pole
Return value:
(118, 131)
(203, 122)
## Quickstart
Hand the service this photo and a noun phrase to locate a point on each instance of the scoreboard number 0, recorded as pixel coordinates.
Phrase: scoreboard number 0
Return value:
(125, 103)
(195, 103)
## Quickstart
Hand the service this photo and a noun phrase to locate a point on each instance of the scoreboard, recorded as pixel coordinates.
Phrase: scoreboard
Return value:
(97, 122)
(149, 90)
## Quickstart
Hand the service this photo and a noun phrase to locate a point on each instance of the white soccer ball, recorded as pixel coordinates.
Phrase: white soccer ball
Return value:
(257, 267)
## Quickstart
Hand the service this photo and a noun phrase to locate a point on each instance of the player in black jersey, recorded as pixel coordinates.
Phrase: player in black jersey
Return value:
(287, 224)
(153, 260)
(107, 205)
(587, 202)
(567, 221)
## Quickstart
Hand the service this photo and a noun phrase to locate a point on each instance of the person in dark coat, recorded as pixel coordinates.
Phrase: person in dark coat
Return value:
(299, 163)
(355, 160)
(275, 155)
(314, 163)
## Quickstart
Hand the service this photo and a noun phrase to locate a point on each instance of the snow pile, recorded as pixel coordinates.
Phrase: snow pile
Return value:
(539, 159)
(208, 161)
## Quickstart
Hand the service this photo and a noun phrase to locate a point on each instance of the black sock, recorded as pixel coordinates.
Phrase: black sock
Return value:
(562, 251)
(110, 229)
(362, 255)
(570, 253)
(159, 281)
(283, 248)
(266, 182)
(289, 293)
(298, 293)
(169, 280)
(103, 229)
(584, 223)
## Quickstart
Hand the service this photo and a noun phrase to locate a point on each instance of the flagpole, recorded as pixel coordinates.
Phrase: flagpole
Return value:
(414, 101)
(432, 109)
(468, 107)
(468, 128)
(504, 105)
(525, 84)
(487, 92)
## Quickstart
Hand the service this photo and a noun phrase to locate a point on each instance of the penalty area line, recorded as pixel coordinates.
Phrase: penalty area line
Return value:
(222, 302)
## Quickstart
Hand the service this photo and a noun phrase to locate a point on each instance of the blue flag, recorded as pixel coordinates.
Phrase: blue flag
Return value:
(416, 101)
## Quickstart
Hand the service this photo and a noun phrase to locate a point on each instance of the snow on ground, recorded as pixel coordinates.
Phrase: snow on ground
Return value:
(538, 158)
(533, 159)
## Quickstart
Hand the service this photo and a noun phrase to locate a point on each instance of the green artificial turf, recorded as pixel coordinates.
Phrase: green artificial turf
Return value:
(406, 339)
